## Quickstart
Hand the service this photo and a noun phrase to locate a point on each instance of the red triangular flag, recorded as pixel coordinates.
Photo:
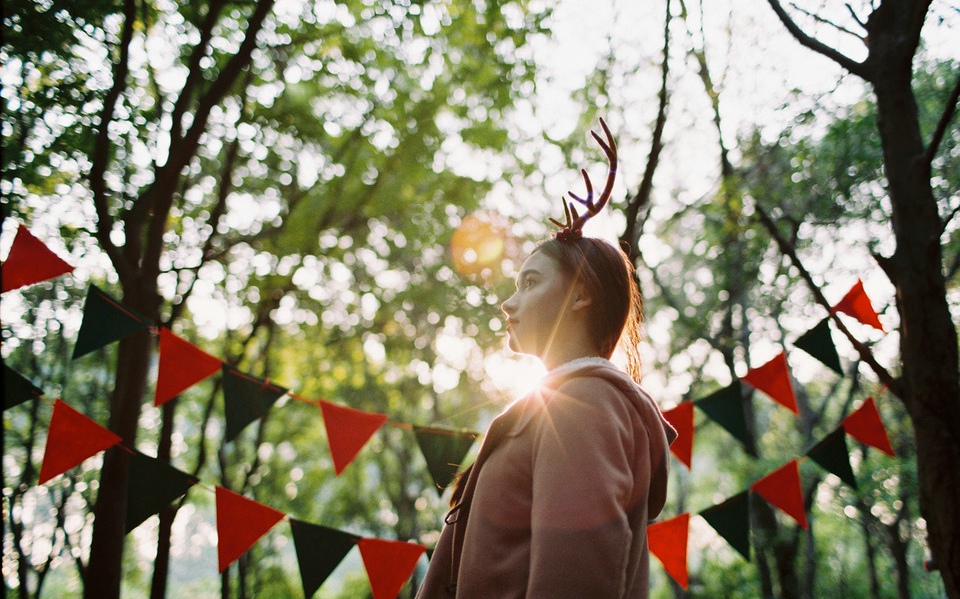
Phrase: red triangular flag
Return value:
(389, 564)
(782, 489)
(348, 430)
(240, 523)
(856, 303)
(864, 425)
(773, 378)
(668, 542)
(71, 438)
(182, 365)
(681, 417)
(30, 261)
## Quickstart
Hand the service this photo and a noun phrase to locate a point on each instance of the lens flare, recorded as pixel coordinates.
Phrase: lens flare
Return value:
(479, 245)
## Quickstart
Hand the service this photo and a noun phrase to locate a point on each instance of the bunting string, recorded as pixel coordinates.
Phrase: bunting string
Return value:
(73, 438)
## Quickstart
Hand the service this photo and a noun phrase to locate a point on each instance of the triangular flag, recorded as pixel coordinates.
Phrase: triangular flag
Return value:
(348, 430)
(731, 519)
(246, 399)
(725, 407)
(182, 365)
(240, 523)
(782, 489)
(668, 542)
(864, 425)
(71, 439)
(444, 450)
(856, 304)
(153, 485)
(818, 343)
(29, 262)
(832, 454)
(105, 320)
(773, 378)
(319, 551)
(17, 389)
(681, 417)
(389, 564)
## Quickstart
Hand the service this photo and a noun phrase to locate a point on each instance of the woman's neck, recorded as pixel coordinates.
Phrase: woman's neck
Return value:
(564, 355)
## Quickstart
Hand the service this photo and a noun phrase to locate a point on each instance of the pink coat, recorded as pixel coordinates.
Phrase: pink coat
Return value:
(559, 498)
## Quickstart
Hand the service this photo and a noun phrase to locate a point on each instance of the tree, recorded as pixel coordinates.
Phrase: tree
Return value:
(724, 287)
(929, 382)
(239, 144)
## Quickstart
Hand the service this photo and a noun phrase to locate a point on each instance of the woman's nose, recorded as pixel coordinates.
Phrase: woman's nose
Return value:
(509, 306)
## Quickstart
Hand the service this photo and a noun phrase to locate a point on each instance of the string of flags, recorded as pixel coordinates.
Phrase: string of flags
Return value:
(154, 484)
(782, 487)
(73, 438)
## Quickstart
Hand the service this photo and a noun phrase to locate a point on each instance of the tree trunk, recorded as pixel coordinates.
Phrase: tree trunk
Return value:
(928, 337)
(865, 521)
(930, 383)
(106, 550)
(898, 550)
(161, 565)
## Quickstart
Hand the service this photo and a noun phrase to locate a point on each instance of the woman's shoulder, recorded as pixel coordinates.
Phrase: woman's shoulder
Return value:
(598, 384)
(591, 393)
(591, 376)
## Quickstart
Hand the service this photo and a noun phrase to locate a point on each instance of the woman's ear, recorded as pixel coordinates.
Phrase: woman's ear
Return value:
(581, 299)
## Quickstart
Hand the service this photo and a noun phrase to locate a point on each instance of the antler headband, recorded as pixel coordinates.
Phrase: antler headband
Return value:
(572, 229)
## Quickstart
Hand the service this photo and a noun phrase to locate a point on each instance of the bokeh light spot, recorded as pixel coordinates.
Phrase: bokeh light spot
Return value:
(479, 245)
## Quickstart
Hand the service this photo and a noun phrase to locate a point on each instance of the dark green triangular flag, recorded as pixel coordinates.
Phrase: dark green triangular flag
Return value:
(17, 389)
(725, 407)
(153, 485)
(819, 343)
(444, 450)
(319, 551)
(731, 519)
(246, 399)
(832, 454)
(105, 320)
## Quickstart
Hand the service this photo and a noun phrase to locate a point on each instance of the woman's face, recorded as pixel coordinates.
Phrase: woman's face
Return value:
(535, 312)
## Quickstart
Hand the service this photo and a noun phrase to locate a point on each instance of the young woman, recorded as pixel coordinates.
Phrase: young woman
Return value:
(568, 477)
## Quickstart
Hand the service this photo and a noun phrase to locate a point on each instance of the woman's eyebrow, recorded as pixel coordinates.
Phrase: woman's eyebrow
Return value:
(526, 274)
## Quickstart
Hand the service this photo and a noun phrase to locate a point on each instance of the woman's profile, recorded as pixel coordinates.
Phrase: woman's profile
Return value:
(568, 477)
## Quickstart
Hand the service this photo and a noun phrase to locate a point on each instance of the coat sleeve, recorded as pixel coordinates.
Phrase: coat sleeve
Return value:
(591, 468)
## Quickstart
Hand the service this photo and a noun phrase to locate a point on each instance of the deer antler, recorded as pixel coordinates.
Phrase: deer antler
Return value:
(573, 227)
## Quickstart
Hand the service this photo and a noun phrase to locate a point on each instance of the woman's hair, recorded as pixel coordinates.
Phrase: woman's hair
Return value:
(616, 310)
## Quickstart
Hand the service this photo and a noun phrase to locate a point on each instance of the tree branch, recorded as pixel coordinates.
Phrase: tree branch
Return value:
(948, 111)
(864, 352)
(100, 159)
(857, 68)
(641, 199)
(180, 153)
(194, 70)
(829, 23)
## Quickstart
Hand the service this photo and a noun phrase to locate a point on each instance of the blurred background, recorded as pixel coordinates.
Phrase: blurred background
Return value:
(335, 195)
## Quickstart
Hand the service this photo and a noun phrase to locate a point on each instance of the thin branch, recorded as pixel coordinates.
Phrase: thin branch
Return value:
(857, 68)
(216, 213)
(949, 110)
(182, 152)
(829, 23)
(856, 17)
(100, 159)
(194, 70)
(631, 235)
(864, 352)
(142, 207)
